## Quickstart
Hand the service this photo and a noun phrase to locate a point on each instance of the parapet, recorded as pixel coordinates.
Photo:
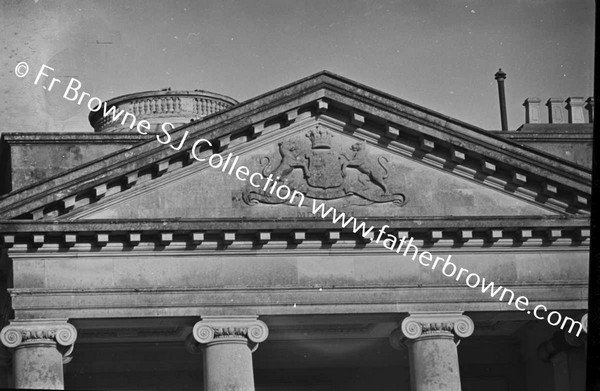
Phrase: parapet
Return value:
(158, 107)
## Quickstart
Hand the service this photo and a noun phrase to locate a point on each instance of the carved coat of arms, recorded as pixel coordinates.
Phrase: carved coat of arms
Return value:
(324, 172)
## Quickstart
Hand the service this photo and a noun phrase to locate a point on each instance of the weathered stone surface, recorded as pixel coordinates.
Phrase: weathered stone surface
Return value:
(228, 345)
(432, 352)
(38, 366)
(37, 363)
(286, 282)
(228, 366)
(28, 158)
(434, 364)
(571, 142)
(286, 268)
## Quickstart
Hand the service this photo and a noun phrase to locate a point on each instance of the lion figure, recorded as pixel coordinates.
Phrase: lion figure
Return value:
(360, 161)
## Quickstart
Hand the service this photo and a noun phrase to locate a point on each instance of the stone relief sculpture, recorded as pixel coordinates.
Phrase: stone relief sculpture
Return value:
(325, 172)
(289, 161)
(359, 160)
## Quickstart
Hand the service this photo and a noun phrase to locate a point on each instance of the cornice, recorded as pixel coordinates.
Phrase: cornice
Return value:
(191, 236)
(75, 137)
(243, 223)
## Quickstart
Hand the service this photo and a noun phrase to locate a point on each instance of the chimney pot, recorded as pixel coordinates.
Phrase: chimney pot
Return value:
(555, 113)
(532, 110)
(575, 109)
(500, 77)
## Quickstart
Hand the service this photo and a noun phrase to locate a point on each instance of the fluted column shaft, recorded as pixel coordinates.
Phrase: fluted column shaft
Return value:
(432, 355)
(38, 351)
(228, 343)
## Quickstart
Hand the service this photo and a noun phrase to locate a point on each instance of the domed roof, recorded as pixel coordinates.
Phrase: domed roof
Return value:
(158, 107)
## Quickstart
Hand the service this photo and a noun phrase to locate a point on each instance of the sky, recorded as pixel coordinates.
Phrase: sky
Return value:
(439, 54)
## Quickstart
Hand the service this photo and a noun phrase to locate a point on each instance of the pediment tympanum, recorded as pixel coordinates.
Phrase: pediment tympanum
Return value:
(325, 165)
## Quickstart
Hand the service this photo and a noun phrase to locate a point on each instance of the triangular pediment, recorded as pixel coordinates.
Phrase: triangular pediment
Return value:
(407, 161)
(352, 175)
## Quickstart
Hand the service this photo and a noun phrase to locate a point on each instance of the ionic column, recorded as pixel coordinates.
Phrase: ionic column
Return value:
(564, 351)
(227, 344)
(40, 347)
(432, 351)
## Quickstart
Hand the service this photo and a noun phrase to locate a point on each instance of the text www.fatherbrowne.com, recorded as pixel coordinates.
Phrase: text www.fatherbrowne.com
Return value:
(449, 269)
(270, 185)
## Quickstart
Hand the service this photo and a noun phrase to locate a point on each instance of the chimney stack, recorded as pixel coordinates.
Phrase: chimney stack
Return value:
(575, 106)
(555, 114)
(590, 108)
(500, 77)
(532, 110)
(575, 110)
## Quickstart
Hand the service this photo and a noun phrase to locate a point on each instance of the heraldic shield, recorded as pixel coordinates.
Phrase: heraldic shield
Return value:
(324, 169)
(325, 172)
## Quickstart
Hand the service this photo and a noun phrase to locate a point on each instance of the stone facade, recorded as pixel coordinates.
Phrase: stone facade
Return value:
(128, 263)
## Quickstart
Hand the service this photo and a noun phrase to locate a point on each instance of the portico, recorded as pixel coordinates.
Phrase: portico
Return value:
(243, 330)
(153, 270)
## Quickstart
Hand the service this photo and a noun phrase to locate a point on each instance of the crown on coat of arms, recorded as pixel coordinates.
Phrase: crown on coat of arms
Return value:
(320, 138)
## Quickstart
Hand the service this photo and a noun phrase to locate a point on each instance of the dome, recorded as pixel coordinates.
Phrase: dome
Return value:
(158, 107)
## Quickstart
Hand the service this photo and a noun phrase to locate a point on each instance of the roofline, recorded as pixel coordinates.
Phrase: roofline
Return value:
(170, 224)
(318, 86)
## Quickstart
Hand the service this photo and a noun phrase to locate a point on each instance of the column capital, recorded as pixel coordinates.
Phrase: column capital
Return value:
(20, 332)
(418, 324)
(214, 328)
